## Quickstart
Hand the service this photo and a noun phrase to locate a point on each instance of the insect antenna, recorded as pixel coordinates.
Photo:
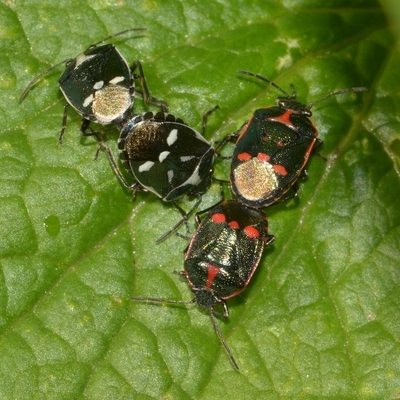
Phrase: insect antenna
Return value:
(265, 80)
(219, 334)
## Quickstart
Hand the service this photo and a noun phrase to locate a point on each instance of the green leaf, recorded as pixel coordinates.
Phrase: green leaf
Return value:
(320, 318)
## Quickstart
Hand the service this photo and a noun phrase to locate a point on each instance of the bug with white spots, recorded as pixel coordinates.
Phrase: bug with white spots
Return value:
(166, 157)
(100, 85)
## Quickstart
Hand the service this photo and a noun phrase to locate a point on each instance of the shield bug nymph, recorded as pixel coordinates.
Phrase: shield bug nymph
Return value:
(273, 147)
(222, 257)
(166, 157)
(100, 85)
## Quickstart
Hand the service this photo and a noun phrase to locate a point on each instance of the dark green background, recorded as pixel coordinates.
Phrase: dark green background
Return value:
(320, 320)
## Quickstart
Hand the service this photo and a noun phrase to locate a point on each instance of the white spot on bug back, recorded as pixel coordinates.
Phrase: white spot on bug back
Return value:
(163, 155)
(98, 85)
(172, 137)
(117, 79)
(146, 166)
(194, 179)
(170, 175)
(88, 101)
(82, 58)
(186, 158)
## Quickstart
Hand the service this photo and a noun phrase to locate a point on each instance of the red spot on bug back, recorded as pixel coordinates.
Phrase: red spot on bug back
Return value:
(284, 118)
(263, 157)
(251, 232)
(212, 272)
(218, 218)
(234, 225)
(244, 157)
(280, 169)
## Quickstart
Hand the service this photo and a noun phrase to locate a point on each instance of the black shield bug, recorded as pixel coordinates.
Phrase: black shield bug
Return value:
(166, 157)
(272, 148)
(222, 257)
(99, 85)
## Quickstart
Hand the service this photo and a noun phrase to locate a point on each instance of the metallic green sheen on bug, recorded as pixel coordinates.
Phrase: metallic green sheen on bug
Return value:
(225, 251)
(222, 257)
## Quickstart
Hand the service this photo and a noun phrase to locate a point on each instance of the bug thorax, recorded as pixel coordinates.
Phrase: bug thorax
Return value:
(290, 103)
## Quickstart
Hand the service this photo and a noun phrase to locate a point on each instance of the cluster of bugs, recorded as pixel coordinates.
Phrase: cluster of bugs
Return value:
(167, 157)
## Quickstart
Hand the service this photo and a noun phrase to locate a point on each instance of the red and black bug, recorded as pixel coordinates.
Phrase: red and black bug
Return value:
(222, 256)
(273, 147)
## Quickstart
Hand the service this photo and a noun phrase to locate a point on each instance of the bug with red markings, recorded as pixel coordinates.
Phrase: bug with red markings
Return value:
(222, 257)
(273, 147)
